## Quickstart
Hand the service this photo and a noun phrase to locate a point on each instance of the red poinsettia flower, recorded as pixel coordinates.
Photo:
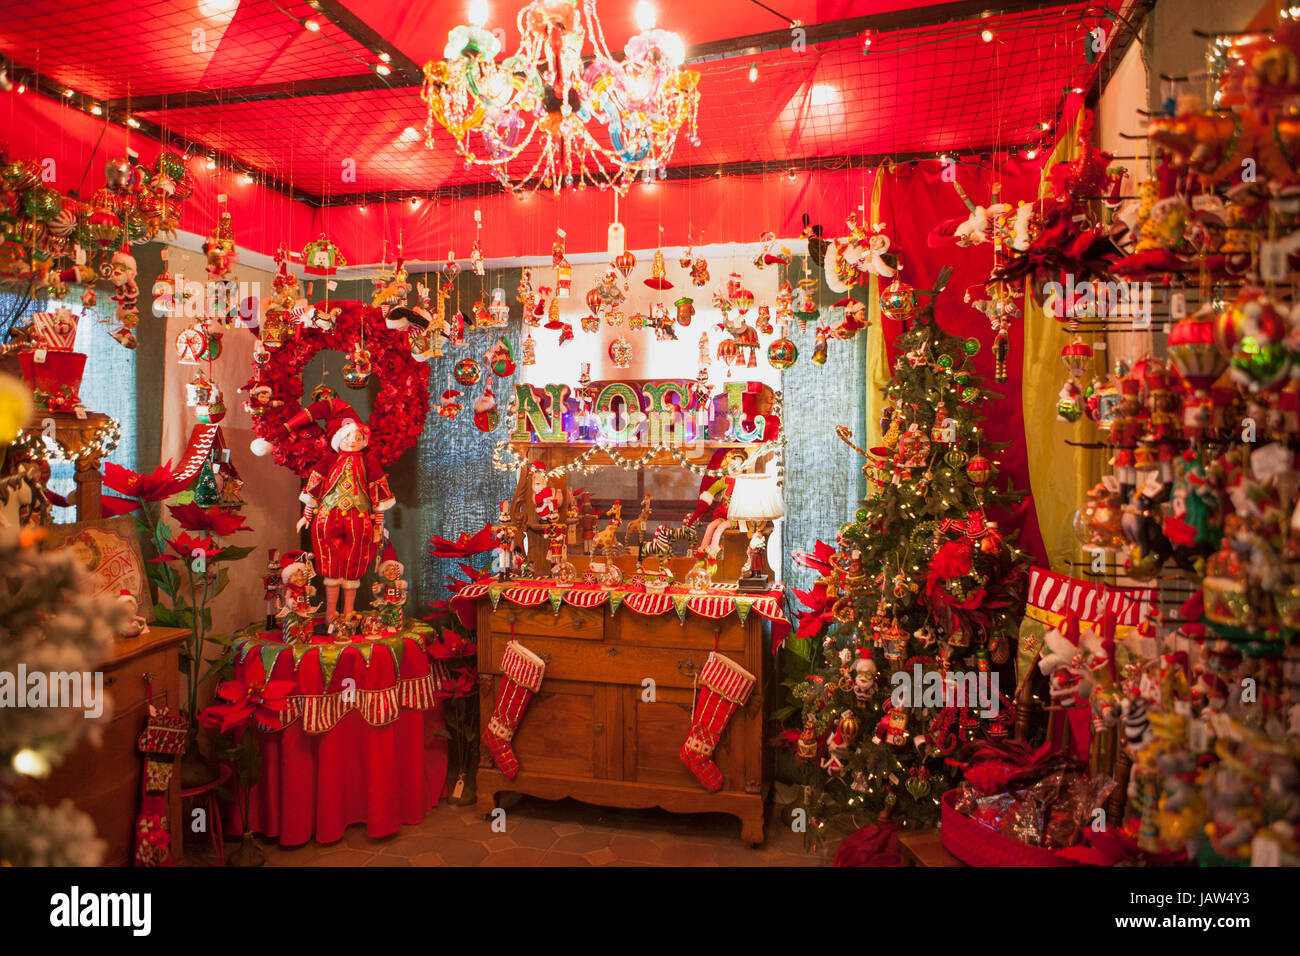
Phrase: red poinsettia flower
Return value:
(461, 683)
(244, 701)
(184, 545)
(465, 546)
(450, 645)
(155, 486)
(215, 519)
(953, 560)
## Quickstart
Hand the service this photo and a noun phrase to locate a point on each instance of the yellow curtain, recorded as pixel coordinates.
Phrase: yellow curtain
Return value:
(1059, 474)
(877, 360)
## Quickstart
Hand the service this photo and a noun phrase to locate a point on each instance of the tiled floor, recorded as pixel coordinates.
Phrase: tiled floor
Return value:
(547, 833)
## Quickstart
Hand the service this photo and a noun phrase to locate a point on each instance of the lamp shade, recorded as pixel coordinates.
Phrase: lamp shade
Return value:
(755, 498)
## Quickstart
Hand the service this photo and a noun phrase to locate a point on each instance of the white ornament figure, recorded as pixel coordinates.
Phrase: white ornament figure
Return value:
(864, 679)
(136, 624)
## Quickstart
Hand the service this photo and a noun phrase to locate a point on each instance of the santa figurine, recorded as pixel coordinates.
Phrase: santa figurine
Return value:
(485, 411)
(546, 500)
(715, 493)
(296, 609)
(390, 591)
(344, 502)
(136, 625)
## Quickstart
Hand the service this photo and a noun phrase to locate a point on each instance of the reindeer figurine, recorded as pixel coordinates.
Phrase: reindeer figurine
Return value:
(605, 542)
(638, 523)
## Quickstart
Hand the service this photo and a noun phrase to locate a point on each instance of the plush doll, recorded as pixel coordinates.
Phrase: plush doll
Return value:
(715, 493)
(344, 502)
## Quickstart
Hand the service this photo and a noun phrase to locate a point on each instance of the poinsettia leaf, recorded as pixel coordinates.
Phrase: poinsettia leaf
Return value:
(232, 553)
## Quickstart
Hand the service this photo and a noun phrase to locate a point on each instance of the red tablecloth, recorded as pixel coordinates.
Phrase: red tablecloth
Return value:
(357, 744)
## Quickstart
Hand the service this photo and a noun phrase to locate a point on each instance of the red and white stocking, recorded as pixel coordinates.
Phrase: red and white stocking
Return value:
(521, 676)
(724, 686)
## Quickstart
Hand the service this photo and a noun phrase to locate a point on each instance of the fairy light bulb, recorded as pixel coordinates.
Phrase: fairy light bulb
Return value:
(753, 74)
(478, 12)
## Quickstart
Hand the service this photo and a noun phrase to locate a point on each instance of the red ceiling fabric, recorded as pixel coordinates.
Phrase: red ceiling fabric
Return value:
(913, 201)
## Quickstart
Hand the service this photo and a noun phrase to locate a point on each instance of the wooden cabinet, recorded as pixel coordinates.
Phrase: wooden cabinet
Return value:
(104, 781)
(596, 732)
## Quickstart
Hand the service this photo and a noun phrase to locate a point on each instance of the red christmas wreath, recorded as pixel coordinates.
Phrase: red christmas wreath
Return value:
(400, 408)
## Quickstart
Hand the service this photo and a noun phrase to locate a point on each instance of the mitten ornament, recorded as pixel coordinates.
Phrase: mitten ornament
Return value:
(724, 686)
(521, 676)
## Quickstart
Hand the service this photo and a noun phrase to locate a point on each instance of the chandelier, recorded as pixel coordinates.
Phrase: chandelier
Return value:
(578, 118)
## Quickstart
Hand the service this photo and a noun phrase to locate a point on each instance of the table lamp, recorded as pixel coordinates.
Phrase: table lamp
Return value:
(755, 500)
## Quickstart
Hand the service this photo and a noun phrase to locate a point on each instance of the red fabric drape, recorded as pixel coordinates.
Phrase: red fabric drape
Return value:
(314, 787)
(914, 199)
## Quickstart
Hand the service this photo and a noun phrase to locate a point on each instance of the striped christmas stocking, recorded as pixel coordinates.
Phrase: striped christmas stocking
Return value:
(724, 686)
(521, 676)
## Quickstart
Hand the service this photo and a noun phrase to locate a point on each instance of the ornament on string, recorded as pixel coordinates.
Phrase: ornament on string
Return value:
(357, 369)
(212, 409)
(913, 448)
(498, 308)
(564, 328)
(529, 350)
(764, 321)
(700, 273)
(1077, 357)
(448, 406)
(524, 295)
(898, 302)
(321, 257)
(500, 358)
(590, 323)
(979, 470)
(740, 297)
(685, 310)
(625, 262)
(620, 353)
(785, 303)
(482, 317)
(563, 271)
(658, 272)
(196, 344)
(451, 268)
(468, 372)
(486, 415)
(662, 323)
(782, 353)
(820, 347)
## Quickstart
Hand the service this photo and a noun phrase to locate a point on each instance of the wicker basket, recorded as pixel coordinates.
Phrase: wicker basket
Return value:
(976, 845)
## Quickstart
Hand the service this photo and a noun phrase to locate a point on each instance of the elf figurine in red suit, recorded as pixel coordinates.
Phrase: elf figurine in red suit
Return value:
(344, 502)
(715, 493)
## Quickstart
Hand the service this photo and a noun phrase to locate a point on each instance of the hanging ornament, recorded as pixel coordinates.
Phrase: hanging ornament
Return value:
(595, 302)
(321, 257)
(563, 279)
(620, 353)
(625, 263)
(685, 260)
(898, 302)
(685, 310)
(782, 353)
(590, 323)
(192, 345)
(529, 350)
(451, 268)
(476, 258)
(199, 391)
(449, 407)
(468, 372)
(764, 321)
(913, 448)
(979, 470)
(357, 369)
(945, 428)
(700, 273)
(1077, 357)
(615, 318)
(213, 410)
(819, 345)
(658, 273)
(499, 309)
(785, 303)
(500, 358)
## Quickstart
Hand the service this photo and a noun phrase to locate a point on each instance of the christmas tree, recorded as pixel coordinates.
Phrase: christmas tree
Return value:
(917, 611)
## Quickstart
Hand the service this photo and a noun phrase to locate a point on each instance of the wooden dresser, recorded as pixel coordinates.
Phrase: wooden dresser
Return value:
(590, 733)
(104, 781)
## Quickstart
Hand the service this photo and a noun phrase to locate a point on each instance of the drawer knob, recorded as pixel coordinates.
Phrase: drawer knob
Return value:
(598, 728)
(687, 667)
(612, 651)
(545, 657)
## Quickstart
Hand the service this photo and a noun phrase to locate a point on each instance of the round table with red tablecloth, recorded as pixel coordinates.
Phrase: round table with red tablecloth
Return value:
(358, 742)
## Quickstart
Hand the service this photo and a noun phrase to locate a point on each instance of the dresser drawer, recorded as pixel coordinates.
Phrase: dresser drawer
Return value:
(665, 630)
(608, 663)
(541, 621)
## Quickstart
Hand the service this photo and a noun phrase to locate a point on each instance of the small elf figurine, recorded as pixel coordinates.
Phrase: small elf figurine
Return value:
(449, 408)
(390, 592)
(344, 502)
(297, 611)
(504, 535)
(271, 587)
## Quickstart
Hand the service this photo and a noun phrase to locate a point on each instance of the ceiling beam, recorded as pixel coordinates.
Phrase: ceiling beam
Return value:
(324, 86)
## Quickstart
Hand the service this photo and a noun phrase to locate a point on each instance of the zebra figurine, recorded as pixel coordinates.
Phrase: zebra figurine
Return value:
(661, 545)
(1137, 726)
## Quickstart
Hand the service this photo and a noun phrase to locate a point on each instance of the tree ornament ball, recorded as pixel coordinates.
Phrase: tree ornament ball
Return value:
(955, 458)
(782, 353)
(468, 372)
(945, 361)
(971, 347)
(962, 379)
(969, 394)
(898, 302)
(979, 470)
